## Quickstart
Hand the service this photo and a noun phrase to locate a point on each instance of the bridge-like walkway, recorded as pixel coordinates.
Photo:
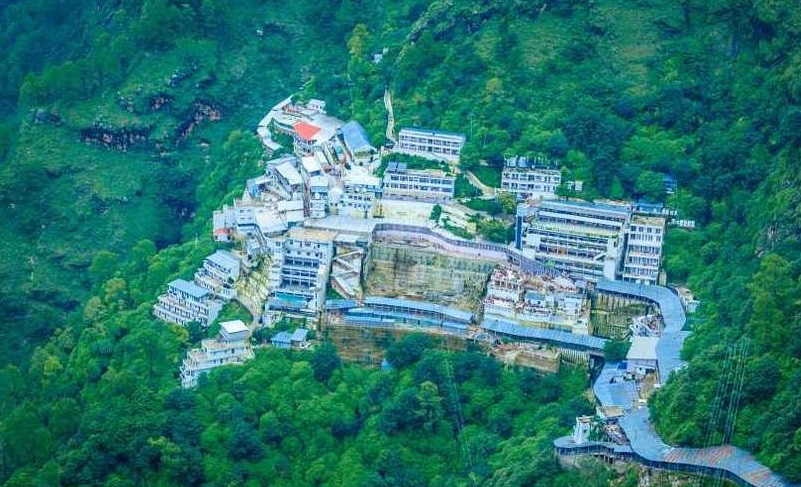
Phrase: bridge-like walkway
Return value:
(646, 446)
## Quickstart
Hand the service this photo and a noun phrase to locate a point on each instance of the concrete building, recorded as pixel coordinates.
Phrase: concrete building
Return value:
(185, 301)
(359, 194)
(641, 357)
(435, 144)
(231, 347)
(579, 238)
(218, 274)
(643, 250)
(530, 177)
(428, 184)
(317, 196)
(300, 266)
(357, 143)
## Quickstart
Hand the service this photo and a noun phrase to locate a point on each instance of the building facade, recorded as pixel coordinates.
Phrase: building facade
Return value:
(185, 301)
(427, 184)
(430, 143)
(230, 347)
(643, 250)
(578, 238)
(530, 177)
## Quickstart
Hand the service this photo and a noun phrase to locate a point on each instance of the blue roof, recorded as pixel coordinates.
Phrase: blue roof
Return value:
(281, 337)
(598, 207)
(612, 390)
(356, 137)
(512, 328)
(669, 347)
(452, 313)
(299, 335)
(189, 288)
(340, 304)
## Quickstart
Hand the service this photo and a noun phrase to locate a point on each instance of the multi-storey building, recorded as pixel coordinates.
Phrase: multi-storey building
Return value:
(301, 263)
(359, 193)
(428, 184)
(643, 249)
(578, 238)
(317, 197)
(185, 301)
(231, 347)
(430, 143)
(530, 177)
(218, 273)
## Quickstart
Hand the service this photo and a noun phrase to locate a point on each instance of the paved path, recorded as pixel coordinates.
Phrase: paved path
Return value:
(646, 445)
(485, 190)
(390, 117)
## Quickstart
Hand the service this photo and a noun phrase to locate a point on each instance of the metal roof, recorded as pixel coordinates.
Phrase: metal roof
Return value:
(223, 259)
(299, 335)
(356, 137)
(189, 288)
(457, 314)
(282, 337)
(512, 328)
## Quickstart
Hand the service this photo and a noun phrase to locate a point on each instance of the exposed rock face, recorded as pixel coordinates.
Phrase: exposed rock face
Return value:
(115, 138)
(394, 270)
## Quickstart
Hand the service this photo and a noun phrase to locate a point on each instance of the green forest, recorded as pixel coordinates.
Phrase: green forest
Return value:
(125, 123)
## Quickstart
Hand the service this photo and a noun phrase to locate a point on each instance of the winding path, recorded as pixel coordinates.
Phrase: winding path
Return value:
(646, 446)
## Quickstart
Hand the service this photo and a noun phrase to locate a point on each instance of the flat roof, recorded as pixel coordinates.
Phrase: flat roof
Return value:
(585, 205)
(655, 221)
(235, 326)
(268, 220)
(189, 288)
(289, 205)
(224, 259)
(643, 348)
(426, 131)
(314, 234)
(318, 182)
(288, 172)
(310, 164)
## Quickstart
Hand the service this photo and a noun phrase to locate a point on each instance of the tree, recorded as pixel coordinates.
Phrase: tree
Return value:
(616, 350)
(408, 350)
(325, 361)
(436, 212)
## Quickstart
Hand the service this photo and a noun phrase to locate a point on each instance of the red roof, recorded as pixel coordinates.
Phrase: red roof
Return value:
(306, 131)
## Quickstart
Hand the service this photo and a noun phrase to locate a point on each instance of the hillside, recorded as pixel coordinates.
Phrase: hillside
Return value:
(124, 124)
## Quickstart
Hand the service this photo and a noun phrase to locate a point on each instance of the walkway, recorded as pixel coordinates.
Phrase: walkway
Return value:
(646, 446)
(390, 117)
(485, 190)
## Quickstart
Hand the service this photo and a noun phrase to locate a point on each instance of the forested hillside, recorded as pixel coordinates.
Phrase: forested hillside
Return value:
(124, 123)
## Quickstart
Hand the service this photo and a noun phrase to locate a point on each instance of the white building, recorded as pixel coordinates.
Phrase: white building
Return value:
(579, 238)
(643, 249)
(231, 347)
(641, 357)
(317, 196)
(218, 273)
(530, 177)
(301, 264)
(359, 193)
(185, 301)
(433, 144)
(428, 184)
